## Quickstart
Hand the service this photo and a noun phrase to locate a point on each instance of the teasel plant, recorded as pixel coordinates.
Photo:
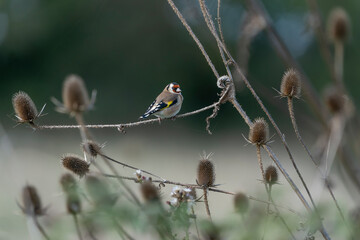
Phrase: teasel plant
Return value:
(32, 207)
(76, 101)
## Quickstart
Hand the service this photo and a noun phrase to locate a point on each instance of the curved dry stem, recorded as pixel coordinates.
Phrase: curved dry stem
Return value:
(206, 202)
(122, 126)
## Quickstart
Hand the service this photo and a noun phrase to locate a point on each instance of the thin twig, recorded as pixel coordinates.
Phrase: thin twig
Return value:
(125, 125)
(129, 166)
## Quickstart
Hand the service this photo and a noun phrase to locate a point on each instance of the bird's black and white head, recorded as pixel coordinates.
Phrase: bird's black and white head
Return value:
(173, 88)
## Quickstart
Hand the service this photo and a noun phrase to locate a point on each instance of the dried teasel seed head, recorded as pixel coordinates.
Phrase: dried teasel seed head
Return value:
(271, 175)
(31, 200)
(75, 95)
(206, 172)
(149, 192)
(334, 100)
(92, 148)
(338, 25)
(291, 84)
(69, 186)
(24, 107)
(75, 164)
(259, 132)
(241, 203)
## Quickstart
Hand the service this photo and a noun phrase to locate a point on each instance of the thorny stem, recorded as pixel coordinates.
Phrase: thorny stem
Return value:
(206, 202)
(247, 83)
(268, 191)
(129, 166)
(296, 130)
(289, 61)
(122, 126)
(85, 136)
(192, 34)
(77, 226)
(211, 27)
(41, 229)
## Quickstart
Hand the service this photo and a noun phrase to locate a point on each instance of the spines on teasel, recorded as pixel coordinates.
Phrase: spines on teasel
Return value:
(206, 171)
(241, 203)
(24, 107)
(92, 148)
(31, 201)
(69, 185)
(291, 84)
(338, 25)
(75, 95)
(149, 192)
(75, 164)
(271, 175)
(259, 132)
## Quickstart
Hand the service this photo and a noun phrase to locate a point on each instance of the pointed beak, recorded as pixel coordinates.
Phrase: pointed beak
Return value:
(178, 90)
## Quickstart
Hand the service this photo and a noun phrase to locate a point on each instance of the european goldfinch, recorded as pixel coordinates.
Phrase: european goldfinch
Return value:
(167, 104)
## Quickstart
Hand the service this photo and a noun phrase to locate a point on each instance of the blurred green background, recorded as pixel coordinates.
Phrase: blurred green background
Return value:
(129, 50)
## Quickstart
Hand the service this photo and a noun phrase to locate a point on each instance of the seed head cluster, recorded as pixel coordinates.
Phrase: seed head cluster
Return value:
(338, 25)
(31, 200)
(75, 95)
(241, 203)
(206, 172)
(75, 164)
(259, 132)
(271, 175)
(291, 84)
(24, 107)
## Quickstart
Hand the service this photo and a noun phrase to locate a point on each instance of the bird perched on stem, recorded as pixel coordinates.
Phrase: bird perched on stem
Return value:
(167, 104)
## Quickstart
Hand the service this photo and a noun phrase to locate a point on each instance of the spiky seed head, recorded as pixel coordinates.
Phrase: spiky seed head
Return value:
(75, 95)
(291, 84)
(92, 148)
(75, 164)
(24, 107)
(259, 132)
(206, 172)
(334, 100)
(271, 175)
(31, 200)
(69, 186)
(149, 192)
(241, 203)
(338, 25)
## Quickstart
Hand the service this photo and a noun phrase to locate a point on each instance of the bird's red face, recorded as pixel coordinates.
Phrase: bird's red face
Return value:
(174, 88)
